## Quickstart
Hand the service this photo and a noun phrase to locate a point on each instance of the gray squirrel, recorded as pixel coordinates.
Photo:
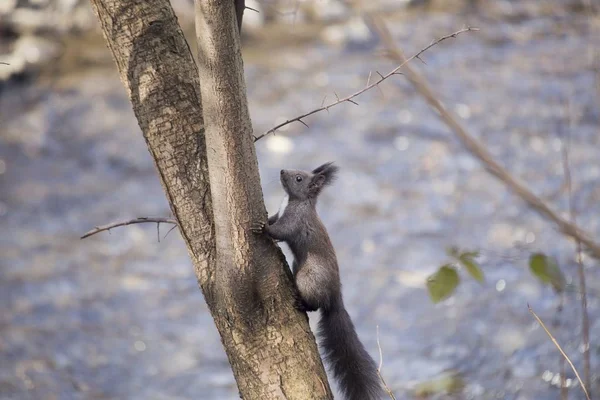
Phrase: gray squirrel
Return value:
(317, 278)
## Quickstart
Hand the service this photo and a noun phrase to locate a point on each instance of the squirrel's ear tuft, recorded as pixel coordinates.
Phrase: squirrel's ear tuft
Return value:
(323, 167)
(323, 176)
(327, 169)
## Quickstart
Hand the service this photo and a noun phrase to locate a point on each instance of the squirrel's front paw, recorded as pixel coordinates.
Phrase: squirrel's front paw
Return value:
(257, 227)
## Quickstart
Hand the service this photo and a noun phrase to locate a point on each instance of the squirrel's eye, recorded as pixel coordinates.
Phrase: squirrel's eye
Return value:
(298, 178)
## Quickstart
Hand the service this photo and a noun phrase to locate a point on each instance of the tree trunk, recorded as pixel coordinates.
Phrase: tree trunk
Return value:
(245, 281)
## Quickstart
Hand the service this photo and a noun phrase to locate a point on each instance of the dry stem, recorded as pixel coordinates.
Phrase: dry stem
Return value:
(369, 85)
(564, 390)
(585, 323)
(587, 396)
(476, 148)
(385, 386)
(141, 220)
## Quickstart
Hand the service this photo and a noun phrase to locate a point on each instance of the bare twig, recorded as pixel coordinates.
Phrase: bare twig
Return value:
(585, 322)
(476, 148)
(3, 63)
(141, 220)
(385, 386)
(169, 231)
(325, 98)
(587, 396)
(367, 87)
(564, 389)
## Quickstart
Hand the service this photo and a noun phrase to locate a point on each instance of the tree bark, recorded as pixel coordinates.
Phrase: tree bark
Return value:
(266, 361)
(244, 278)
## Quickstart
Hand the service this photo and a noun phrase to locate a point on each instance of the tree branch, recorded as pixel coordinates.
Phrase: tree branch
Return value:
(587, 396)
(477, 149)
(385, 386)
(367, 87)
(140, 220)
(585, 322)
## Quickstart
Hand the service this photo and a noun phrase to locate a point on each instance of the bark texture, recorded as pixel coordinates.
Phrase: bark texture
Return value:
(266, 360)
(156, 66)
(245, 281)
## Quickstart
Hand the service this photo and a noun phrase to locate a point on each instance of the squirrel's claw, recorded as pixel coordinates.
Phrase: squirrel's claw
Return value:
(257, 227)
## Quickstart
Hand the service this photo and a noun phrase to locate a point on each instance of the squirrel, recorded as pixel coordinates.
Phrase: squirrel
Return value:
(317, 279)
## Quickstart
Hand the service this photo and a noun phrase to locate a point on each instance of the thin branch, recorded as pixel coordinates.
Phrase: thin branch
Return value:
(385, 386)
(477, 149)
(169, 231)
(564, 389)
(585, 322)
(380, 352)
(323, 102)
(4, 63)
(141, 220)
(368, 87)
(587, 396)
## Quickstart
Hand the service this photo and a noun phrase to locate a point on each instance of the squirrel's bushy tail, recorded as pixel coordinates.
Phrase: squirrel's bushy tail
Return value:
(352, 367)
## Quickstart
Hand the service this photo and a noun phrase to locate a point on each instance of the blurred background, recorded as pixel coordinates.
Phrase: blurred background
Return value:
(119, 315)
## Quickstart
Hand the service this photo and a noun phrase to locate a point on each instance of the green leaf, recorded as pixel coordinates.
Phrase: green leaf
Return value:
(546, 269)
(442, 283)
(467, 261)
(537, 265)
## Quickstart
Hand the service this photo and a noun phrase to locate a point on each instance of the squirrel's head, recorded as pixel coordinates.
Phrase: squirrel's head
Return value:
(303, 185)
